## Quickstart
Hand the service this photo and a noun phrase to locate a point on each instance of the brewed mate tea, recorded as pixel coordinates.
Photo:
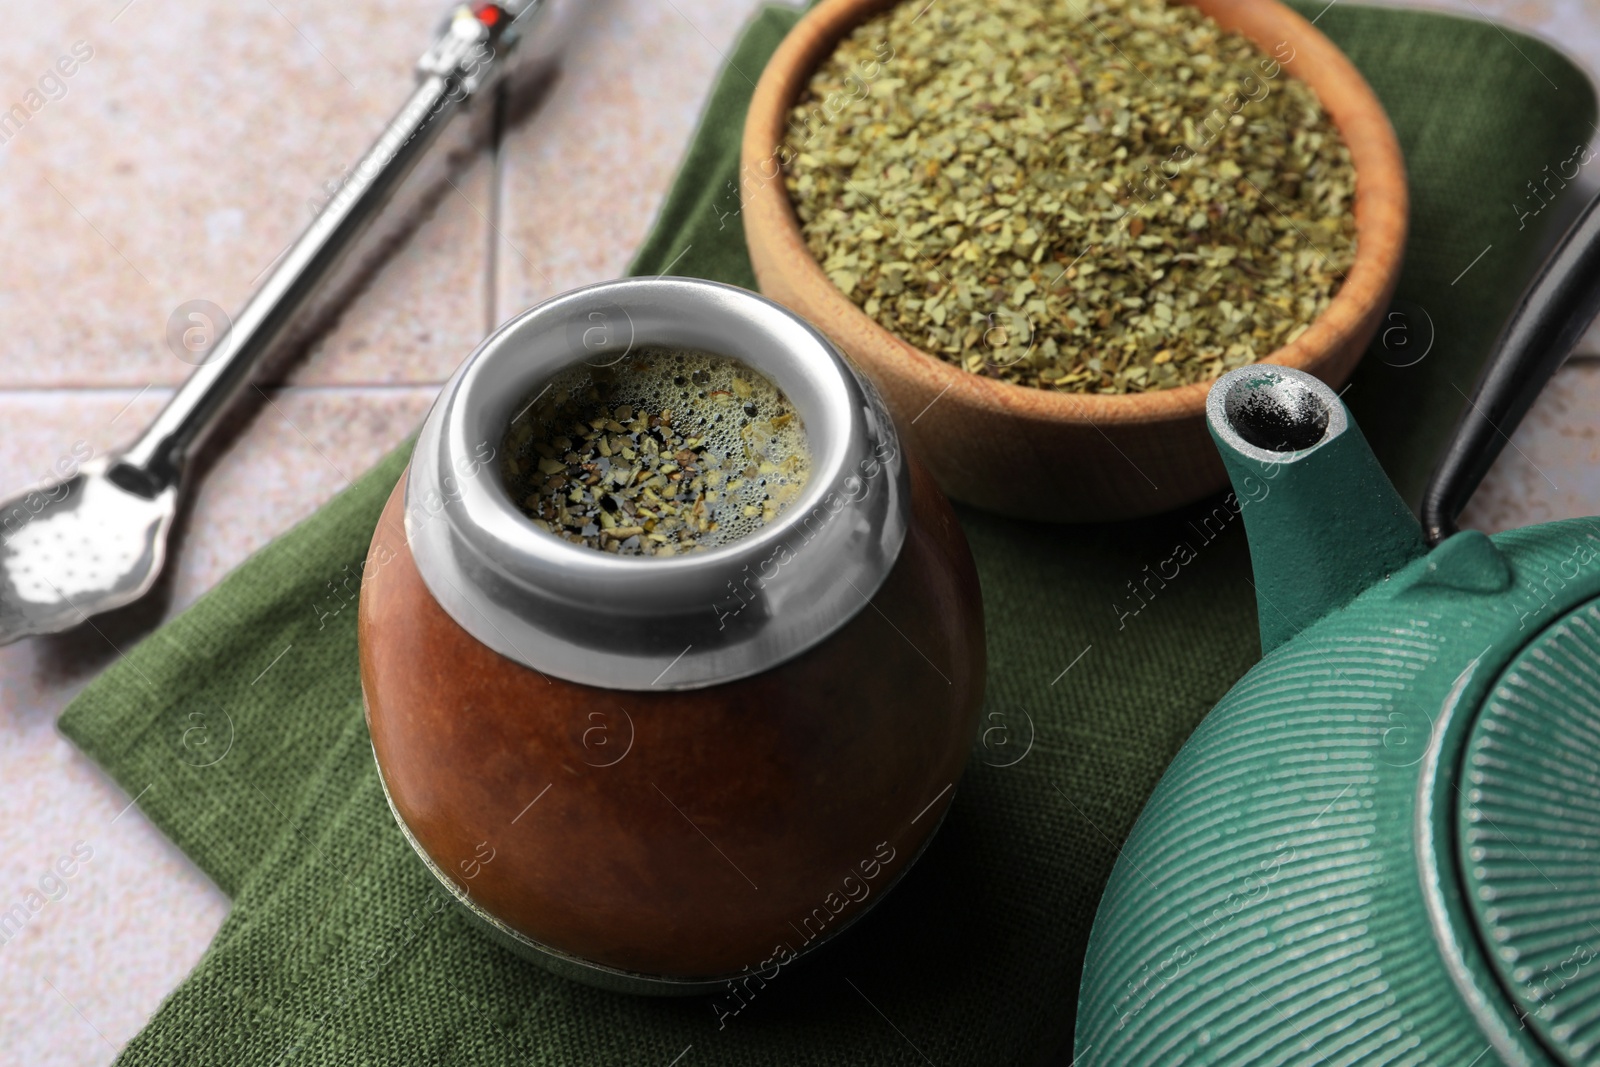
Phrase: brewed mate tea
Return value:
(663, 452)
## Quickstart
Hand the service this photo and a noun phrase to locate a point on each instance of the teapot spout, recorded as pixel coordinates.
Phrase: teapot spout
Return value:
(1324, 521)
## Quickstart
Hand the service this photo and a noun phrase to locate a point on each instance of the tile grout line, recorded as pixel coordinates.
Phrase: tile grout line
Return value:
(162, 391)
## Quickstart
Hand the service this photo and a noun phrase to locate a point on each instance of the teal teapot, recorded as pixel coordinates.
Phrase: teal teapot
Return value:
(1383, 845)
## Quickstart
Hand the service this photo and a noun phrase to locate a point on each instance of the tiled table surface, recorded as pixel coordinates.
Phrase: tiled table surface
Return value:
(181, 157)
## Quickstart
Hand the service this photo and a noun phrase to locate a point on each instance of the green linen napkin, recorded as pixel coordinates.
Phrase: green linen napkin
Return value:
(240, 722)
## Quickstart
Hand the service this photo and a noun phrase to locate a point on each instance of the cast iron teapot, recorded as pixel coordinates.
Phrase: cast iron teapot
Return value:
(1383, 845)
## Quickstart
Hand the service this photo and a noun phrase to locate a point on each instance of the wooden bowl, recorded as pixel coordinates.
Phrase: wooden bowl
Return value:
(1085, 457)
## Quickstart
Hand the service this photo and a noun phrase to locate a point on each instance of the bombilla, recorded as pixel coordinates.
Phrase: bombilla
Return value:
(97, 540)
(462, 63)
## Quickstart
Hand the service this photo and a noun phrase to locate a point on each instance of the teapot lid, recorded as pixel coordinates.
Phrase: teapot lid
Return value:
(1528, 832)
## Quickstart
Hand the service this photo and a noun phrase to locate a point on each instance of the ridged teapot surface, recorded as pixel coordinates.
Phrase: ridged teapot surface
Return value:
(1383, 845)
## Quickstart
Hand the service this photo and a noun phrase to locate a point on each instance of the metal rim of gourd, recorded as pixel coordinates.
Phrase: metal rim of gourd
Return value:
(642, 623)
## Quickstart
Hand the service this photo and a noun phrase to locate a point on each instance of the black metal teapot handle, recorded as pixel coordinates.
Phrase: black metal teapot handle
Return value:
(1552, 315)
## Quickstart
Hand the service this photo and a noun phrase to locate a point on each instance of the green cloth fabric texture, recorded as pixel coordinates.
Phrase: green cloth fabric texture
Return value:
(340, 948)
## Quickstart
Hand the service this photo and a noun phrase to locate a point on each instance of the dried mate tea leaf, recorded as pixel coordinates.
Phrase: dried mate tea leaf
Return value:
(664, 451)
(1095, 196)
